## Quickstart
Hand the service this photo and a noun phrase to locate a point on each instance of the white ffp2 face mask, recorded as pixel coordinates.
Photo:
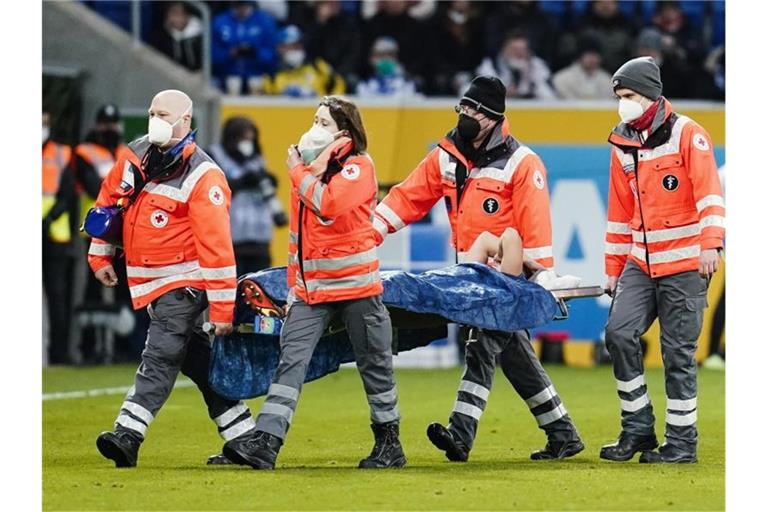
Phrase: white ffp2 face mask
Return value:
(629, 110)
(46, 133)
(246, 147)
(314, 142)
(160, 132)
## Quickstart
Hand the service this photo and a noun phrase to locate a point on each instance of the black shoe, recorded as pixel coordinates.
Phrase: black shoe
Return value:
(218, 460)
(556, 450)
(387, 451)
(627, 446)
(258, 450)
(442, 438)
(668, 454)
(120, 446)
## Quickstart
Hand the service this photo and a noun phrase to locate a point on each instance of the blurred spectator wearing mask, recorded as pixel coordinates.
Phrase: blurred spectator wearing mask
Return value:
(521, 15)
(244, 47)
(459, 44)
(389, 77)
(524, 74)
(180, 37)
(416, 47)
(299, 77)
(58, 214)
(584, 79)
(333, 36)
(605, 22)
(92, 160)
(255, 209)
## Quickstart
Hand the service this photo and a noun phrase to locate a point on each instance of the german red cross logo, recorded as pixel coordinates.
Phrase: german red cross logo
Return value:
(350, 172)
(538, 180)
(216, 195)
(159, 218)
(700, 142)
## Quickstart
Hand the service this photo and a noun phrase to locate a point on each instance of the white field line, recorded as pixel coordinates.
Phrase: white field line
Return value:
(88, 393)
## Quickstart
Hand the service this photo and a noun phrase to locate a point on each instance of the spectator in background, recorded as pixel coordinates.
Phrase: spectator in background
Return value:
(676, 74)
(180, 37)
(605, 22)
(584, 79)
(671, 22)
(255, 209)
(58, 250)
(331, 35)
(244, 46)
(524, 74)
(298, 76)
(459, 34)
(520, 16)
(389, 77)
(714, 65)
(415, 46)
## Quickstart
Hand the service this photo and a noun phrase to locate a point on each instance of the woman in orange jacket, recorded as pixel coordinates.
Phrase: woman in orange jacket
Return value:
(333, 270)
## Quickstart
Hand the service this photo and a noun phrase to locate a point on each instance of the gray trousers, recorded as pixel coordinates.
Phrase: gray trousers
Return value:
(523, 370)
(678, 301)
(370, 331)
(176, 342)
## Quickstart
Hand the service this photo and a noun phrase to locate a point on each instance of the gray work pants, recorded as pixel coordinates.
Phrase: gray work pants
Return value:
(176, 342)
(370, 331)
(522, 368)
(678, 301)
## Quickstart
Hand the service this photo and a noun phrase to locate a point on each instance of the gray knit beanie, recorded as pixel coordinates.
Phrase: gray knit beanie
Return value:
(641, 75)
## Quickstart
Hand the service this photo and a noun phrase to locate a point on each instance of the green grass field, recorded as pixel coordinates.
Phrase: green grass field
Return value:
(330, 434)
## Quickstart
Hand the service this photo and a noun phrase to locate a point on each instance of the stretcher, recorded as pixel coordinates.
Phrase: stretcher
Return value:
(420, 306)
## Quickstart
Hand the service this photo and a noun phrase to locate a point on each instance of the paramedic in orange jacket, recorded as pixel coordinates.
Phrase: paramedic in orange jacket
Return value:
(666, 218)
(489, 182)
(333, 270)
(179, 262)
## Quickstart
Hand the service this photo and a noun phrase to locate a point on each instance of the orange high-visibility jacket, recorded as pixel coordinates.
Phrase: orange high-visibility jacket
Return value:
(506, 187)
(665, 204)
(332, 246)
(55, 159)
(176, 233)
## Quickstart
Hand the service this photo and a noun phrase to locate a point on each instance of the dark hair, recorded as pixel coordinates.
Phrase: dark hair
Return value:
(234, 129)
(347, 117)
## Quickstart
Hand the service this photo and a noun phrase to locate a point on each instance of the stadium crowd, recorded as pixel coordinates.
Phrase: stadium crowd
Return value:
(540, 50)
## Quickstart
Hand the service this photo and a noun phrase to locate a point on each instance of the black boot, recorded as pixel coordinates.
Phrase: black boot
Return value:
(556, 450)
(387, 451)
(258, 450)
(627, 446)
(669, 454)
(218, 460)
(121, 446)
(442, 438)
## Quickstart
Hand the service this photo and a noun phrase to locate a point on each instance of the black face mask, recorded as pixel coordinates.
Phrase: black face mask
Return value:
(468, 127)
(109, 138)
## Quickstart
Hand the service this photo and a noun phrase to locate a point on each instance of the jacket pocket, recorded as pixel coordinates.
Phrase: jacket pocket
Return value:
(667, 162)
(169, 256)
(678, 218)
(489, 186)
(164, 203)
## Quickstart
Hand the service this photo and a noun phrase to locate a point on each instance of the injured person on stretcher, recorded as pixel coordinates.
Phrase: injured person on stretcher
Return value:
(505, 254)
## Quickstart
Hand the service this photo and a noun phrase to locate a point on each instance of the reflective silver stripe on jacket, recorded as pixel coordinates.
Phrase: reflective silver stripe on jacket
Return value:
(343, 262)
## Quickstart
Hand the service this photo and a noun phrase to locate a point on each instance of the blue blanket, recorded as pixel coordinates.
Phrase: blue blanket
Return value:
(421, 306)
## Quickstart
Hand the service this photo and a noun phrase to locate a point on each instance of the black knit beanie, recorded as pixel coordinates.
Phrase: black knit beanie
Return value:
(486, 95)
(641, 75)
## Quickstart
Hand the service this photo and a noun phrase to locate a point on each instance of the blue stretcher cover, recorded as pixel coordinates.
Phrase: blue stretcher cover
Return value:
(420, 305)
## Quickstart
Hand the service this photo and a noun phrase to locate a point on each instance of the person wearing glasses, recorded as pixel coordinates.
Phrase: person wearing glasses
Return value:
(489, 182)
(333, 270)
